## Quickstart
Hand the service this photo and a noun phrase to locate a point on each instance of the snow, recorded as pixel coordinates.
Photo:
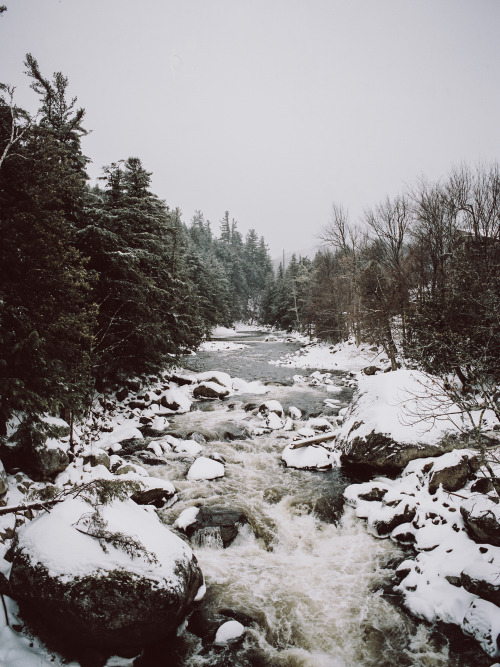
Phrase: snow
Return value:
(177, 396)
(343, 356)
(229, 632)
(186, 518)
(272, 406)
(205, 468)
(216, 376)
(273, 422)
(126, 431)
(482, 621)
(442, 546)
(220, 346)
(53, 539)
(189, 447)
(389, 403)
(311, 456)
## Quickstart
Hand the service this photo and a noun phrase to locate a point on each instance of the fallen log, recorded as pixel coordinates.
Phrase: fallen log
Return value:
(313, 441)
(36, 505)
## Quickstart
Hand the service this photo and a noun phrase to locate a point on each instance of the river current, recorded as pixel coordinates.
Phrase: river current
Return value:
(312, 585)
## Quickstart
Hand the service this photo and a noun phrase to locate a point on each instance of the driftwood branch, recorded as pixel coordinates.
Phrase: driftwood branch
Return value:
(36, 505)
(313, 441)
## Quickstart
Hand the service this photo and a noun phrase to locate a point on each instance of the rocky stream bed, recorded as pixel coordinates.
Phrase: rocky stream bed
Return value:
(293, 574)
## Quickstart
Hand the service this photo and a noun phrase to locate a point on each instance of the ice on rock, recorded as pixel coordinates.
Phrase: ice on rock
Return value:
(205, 468)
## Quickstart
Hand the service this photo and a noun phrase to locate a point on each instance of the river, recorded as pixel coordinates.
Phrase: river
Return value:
(311, 583)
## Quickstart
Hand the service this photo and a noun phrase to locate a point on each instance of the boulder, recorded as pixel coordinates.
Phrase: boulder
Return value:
(215, 524)
(98, 458)
(271, 406)
(37, 448)
(482, 622)
(452, 471)
(154, 491)
(210, 390)
(130, 583)
(483, 579)
(370, 370)
(383, 428)
(381, 453)
(481, 517)
(205, 468)
(383, 522)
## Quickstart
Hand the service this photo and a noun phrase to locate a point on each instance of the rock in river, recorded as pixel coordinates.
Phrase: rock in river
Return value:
(121, 583)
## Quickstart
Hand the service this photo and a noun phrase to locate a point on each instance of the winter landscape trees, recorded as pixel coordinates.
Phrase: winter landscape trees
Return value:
(100, 283)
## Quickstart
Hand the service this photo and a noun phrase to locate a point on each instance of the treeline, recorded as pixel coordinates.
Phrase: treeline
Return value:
(104, 283)
(418, 274)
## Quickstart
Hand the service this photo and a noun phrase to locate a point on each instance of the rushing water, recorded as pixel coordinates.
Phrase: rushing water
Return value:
(310, 588)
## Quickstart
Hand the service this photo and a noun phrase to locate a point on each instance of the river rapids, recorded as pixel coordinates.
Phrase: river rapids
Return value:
(312, 585)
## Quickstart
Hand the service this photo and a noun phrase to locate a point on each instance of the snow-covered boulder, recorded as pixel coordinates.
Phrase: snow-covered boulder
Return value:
(176, 400)
(271, 407)
(481, 517)
(205, 468)
(482, 579)
(453, 470)
(210, 390)
(229, 633)
(383, 430)
(309, 458)
(482, 621)
(124, 582)
(39, 447)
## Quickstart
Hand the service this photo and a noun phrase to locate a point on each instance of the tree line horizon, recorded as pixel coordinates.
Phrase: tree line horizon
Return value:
(102, 283)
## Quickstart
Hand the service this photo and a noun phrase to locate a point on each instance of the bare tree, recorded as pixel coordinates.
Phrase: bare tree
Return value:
(16, 122)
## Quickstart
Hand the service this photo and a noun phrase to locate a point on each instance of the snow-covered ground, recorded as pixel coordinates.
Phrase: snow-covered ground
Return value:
(343, 357)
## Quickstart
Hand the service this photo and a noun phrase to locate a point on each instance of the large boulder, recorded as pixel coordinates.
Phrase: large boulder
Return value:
(386, 428)
(39, 447)
(121, 582)
(210, 390)
(481, 517)
(452, 471)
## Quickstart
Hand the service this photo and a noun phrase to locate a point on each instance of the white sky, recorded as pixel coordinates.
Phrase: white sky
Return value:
(271, 109)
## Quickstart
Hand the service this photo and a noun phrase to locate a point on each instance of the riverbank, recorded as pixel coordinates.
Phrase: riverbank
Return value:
(303, 575)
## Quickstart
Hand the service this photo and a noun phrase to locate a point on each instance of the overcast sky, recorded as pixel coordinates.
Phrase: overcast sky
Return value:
(271, 109)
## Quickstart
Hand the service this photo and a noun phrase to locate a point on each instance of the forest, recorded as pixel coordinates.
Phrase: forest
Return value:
(105, 282)
(100, 283)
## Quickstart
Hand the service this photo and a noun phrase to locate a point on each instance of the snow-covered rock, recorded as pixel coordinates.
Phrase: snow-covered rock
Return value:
(175, 399)
(273, 422)
(482, 621)
(309, 457)
(383, 428)
(208, 389)
(120, 583)
(271, 407)
(229, 632)
(481, 517)
(205, 468)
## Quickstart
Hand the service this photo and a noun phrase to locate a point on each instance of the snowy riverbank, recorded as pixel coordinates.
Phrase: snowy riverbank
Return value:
(179, 461)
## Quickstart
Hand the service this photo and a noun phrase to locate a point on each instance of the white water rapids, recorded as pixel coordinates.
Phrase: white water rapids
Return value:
(314, 589)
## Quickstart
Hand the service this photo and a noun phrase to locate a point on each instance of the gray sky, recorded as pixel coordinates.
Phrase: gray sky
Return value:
(271, 109)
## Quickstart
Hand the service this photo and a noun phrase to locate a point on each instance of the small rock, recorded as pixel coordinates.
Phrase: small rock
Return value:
(229, 633)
